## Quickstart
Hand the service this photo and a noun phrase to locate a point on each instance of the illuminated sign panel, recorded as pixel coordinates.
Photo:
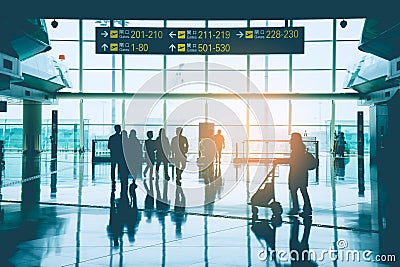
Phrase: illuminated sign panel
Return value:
(200, 41)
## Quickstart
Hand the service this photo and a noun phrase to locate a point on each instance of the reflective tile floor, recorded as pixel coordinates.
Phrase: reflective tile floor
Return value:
(84, 223)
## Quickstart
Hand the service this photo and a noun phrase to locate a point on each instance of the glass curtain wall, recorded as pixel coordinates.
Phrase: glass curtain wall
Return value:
(329, 50)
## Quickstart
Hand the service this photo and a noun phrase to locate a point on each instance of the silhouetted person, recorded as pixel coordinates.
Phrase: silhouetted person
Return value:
(135, 155)
(179, 148)
(298, 174)
(219, 144)
(133, 158)
(206, 160)
(335, 139)
(162, 154)
(116, 154)
(150, 148)
(341, 144)
(124, 172)
(299, 250)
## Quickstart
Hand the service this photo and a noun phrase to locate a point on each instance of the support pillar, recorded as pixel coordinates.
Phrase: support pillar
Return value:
(384, 172)
(32, 126)
(30, 187)
(30, 193)
(54, 149)
(360, 152)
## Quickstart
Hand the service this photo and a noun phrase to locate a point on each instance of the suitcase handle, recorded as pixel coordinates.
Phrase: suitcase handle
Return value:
(271, 174)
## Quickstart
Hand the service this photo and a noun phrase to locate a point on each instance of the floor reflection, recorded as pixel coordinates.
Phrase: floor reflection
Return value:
(340, 166)
(124, 218)
(212, 188)
(88, 224)
(300, 252)
(19, 230)
(179, 217)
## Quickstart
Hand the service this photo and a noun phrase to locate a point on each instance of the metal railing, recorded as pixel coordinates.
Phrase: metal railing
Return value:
(265, 151)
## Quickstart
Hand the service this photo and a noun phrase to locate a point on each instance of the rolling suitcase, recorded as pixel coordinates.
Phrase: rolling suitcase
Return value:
(265, 196)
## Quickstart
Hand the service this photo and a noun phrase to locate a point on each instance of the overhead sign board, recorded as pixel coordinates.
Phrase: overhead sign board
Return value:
(200, 41)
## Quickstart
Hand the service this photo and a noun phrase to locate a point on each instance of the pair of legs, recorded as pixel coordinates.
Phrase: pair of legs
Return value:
(149, 166)
(123, 174)
(218, 156)
(341, 150)
(209, 173)
(114, 163)
(306, 198)
(165, 163)
(180, 165)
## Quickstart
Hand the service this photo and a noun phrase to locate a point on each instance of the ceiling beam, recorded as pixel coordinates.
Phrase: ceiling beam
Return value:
(177, 96)
(195, 10)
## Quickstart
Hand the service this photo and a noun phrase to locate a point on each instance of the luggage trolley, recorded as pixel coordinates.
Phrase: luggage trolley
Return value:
(265, 197)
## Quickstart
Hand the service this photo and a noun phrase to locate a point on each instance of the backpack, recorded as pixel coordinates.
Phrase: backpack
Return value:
(311, 161)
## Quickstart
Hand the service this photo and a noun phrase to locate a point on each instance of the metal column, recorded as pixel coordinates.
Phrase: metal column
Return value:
(360, 152)
(32, 126)
(54, 148)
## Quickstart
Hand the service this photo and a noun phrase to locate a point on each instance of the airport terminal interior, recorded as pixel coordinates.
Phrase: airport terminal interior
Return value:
(215, 186)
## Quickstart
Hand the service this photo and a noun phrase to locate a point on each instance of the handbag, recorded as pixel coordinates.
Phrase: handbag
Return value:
(311, 161)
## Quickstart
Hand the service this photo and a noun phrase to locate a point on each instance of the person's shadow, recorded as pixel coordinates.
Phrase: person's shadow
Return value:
(148, 200)
(122, 216)
(178, 217)
(212, 191)
(300, 249)
(340, 167)
(265, 232)
(162, 201)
